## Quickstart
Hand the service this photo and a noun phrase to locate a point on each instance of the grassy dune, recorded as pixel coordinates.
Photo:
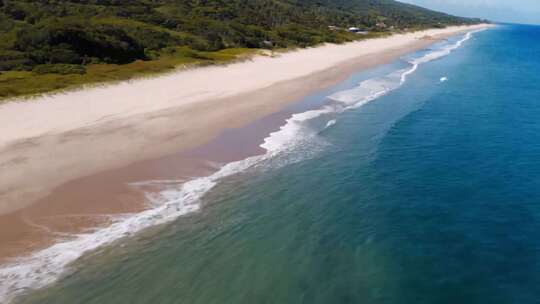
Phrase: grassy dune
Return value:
(28, 83)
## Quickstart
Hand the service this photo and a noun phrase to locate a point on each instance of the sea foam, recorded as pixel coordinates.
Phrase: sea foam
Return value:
(46, 266)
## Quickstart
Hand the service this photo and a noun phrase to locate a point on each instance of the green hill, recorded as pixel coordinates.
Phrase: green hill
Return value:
(97, 40)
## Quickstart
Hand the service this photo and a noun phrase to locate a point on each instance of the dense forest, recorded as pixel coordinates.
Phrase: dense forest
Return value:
(69, 36)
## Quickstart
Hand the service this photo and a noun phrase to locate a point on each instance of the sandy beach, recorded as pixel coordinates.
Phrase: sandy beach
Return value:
(67, 159)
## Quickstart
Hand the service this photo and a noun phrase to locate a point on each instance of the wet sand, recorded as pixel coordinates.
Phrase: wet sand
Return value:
(93, 201)
(60, 183)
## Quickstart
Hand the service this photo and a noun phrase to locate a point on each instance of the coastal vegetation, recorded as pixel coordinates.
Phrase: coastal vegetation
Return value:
(48, 45)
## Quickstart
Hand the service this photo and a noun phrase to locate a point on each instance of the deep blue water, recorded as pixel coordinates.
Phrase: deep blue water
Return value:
(429, 194)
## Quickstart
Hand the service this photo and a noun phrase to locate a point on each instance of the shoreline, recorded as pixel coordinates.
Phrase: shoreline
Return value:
(35, 166)
(198, 153)
(149, 108)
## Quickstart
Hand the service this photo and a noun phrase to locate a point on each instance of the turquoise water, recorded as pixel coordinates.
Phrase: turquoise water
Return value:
(428, 194)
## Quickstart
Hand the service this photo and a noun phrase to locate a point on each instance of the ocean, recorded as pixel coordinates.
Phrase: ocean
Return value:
(414, 182)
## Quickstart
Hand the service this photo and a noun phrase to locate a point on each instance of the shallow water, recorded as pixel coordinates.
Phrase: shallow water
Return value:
(429, 193)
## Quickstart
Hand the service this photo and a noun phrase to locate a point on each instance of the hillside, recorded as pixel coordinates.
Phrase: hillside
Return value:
(116, 39)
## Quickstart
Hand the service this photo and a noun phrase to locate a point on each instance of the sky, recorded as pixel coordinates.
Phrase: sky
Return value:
(516, 11)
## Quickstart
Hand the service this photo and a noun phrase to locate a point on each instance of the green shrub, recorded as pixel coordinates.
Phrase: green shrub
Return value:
(62, 69)
(13, 60)
(67, 41)
(64, 55)
(15, 65)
